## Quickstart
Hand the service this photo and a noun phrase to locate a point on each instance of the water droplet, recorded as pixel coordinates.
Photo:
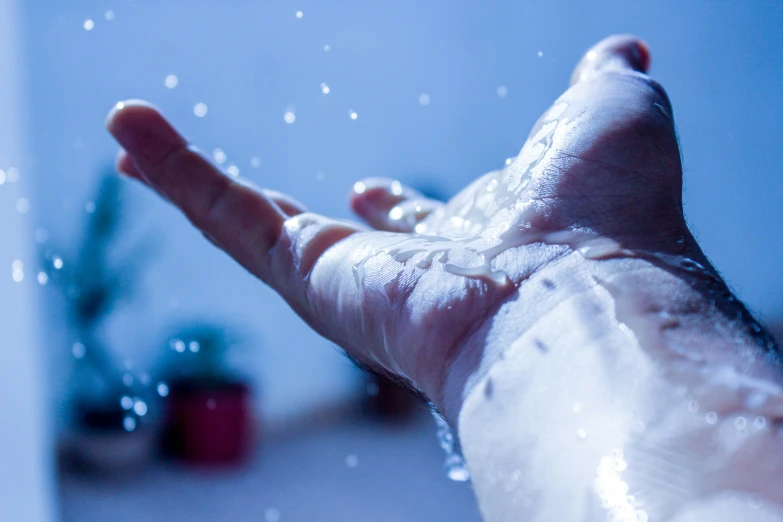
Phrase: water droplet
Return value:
(395, 214)
(540, 54)
(43, 278)
(194, 346)
(327, 48)
(57, 263)
(581, 433)
(299, 14)
(22, 205)
(759, 422)
(740, 423)
(219, 156)
(2, 176)
(163, 389)
(396, 188)
(271, 515)
(455, 463)
(424, 99)
(129, 423)
(359, 187)
(352, 114)
(591, 55)
(17, 271)
(325, 88)
(88, 25)
(200, 110)
(458, 474)
(126, 402)
(140, 408)
(171, 81)
(255, 162)
(89, 207)
(127, 380)
(233, 171)
(78, 350)
(109, 16)
(351, 461)
(711, 417)
(178, 345)
(289, 117)
(693, 406)
(502, 91)
(509, 161)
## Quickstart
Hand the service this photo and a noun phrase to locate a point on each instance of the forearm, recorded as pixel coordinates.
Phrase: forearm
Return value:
(631, 381)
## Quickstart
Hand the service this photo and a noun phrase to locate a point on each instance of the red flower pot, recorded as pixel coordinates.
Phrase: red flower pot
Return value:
(208, 423)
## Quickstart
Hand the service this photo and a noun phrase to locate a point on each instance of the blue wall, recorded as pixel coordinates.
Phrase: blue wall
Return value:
(250, 60)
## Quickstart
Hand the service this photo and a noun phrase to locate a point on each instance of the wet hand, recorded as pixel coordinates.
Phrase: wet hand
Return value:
(600, 174)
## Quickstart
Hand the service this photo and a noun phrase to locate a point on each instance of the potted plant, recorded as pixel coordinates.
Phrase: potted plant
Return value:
(208, 407)
(109, 403)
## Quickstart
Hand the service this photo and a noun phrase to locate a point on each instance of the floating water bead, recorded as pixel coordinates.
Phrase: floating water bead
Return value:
(200, 110)
(219, 156)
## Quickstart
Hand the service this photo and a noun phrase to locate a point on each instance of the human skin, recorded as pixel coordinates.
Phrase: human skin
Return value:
(558, 312)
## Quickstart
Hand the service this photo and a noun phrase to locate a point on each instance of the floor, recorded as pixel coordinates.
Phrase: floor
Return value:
(358, 470)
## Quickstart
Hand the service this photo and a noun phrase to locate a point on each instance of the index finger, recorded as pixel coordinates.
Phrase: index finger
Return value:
(239, 218)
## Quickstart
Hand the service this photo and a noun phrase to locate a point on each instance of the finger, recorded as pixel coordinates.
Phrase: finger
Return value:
(288, 205)
(619, 52)
(388, 205)
(628, 114)
(609, 141)
(239, 218)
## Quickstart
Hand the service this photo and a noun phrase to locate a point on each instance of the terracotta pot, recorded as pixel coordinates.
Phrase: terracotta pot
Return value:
(208, 423)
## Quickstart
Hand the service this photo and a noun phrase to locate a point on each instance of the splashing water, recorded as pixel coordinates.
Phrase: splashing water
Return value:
(455, 462)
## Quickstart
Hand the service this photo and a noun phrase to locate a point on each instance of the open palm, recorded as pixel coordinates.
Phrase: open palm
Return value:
(599, 173)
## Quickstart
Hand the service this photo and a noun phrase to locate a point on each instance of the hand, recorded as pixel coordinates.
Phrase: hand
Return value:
(573, 264)
(600, 172)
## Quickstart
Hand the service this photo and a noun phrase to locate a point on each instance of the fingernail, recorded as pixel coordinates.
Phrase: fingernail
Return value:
(122, 105)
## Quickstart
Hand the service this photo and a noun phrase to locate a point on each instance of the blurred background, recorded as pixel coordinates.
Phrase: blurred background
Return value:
(145, 376)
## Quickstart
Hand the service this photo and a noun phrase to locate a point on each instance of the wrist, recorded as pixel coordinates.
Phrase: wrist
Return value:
(678, 312)
(621, 354)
